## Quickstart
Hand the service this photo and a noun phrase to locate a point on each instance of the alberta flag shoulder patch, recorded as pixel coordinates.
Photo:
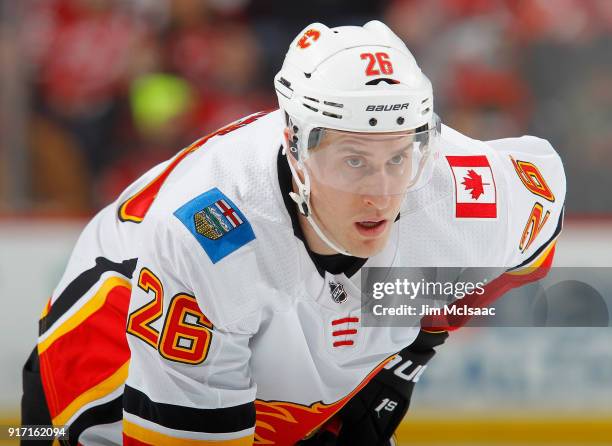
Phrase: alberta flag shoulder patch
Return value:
(216, 223)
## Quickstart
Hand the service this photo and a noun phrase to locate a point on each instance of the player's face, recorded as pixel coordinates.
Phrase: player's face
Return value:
(357, 185)
(360, 223)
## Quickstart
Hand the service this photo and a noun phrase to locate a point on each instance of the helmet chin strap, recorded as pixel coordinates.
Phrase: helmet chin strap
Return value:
(302, 199)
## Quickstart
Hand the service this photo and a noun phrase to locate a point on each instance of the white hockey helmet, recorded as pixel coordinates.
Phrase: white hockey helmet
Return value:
(361, 80)
(352, 78)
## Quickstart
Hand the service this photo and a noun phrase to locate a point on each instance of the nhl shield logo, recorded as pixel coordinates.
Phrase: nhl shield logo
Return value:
(337, 292)
(216, 220)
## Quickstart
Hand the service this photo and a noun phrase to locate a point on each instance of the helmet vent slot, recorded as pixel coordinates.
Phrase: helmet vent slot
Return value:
(333, 104)
(280, 92)
(382, 79)
(332, 115)
(424, 112)
(285, 82)
(310, 107)
(311, 99)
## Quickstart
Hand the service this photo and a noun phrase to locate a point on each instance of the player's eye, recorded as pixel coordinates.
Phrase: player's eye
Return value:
(397, 160)
(354, 162)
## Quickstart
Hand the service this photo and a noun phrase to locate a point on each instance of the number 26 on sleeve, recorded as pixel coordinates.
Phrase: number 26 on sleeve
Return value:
(186, 333)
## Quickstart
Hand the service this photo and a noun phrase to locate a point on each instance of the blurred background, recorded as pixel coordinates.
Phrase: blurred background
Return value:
(94, 92)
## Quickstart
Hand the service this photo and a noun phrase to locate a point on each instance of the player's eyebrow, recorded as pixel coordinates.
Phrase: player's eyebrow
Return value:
(365, 152)
(354, 150)
(352, 144)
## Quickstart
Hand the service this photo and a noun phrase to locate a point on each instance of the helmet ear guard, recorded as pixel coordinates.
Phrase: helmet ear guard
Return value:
(292, 137)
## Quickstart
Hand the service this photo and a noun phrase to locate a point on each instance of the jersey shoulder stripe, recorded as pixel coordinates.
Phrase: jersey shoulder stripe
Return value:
(79, 286)
(97, 297)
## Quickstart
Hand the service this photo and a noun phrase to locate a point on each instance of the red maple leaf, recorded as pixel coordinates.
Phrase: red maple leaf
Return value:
(473, 182)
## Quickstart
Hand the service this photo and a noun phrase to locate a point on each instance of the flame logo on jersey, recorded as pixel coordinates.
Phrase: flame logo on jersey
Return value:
(283, 423)
(280, 421)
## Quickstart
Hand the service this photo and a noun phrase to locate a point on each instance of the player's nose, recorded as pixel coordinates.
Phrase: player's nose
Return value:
(377, 201)
(376, 191)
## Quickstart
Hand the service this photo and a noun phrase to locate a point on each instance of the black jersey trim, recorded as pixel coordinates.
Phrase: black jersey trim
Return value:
(109, 412)
(221, 420)
(79, 286)
(34, 409)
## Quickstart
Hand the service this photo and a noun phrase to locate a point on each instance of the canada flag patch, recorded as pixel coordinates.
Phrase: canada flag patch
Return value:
(475, 193)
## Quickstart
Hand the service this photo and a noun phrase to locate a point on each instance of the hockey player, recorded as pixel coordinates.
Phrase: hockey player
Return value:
(235, 266)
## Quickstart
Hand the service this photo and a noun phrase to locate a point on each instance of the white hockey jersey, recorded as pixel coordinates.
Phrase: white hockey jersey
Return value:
(235, 338)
